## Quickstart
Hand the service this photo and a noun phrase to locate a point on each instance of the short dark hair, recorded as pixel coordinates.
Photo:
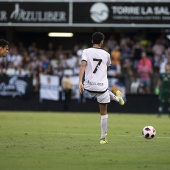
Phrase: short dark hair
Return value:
(3, 43)
(97, 37)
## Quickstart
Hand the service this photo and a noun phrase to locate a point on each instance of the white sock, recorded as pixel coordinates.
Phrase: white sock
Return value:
(113, 97)
(103, 124)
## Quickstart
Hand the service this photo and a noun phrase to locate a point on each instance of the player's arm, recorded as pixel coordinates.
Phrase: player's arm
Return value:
(157, 89)
(108, 63)
(108, 68)
(81, 74)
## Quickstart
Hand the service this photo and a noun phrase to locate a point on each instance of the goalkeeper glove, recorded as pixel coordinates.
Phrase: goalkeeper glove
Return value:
(156, 90)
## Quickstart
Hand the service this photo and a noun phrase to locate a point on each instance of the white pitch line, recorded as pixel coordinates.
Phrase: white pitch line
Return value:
(83, 134)
(157, 136)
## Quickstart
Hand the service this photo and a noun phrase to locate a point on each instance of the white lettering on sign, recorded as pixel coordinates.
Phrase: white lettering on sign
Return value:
(3, 16)
(126, 10)
(161, 10)
(47, 16)
(137, 10)
(146, 11)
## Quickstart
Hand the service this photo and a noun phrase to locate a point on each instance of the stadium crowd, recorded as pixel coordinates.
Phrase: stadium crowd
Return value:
(137, 60)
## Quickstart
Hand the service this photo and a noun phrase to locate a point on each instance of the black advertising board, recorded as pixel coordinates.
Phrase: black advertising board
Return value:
(121, 13)
(33, 12)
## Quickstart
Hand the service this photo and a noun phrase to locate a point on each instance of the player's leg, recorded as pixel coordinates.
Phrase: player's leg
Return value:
(118, 97)
(103, 100)
(162, 101)
(103, 123)
(161, 108)
(114, 89)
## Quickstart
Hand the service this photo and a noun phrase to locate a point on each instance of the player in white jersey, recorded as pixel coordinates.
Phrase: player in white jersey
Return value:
(95, 63)
(96, 69)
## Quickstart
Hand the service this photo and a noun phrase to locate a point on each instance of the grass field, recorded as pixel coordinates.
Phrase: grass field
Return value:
(70, 141)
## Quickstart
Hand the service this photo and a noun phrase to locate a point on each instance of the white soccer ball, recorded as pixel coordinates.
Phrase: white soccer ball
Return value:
(148, 132)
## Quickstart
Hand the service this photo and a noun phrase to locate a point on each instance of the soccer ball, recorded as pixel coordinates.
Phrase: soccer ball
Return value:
(148, 132)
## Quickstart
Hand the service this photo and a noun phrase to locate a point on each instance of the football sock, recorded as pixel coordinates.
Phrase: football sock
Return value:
(113, 97)
(160, 109)
(103, 124)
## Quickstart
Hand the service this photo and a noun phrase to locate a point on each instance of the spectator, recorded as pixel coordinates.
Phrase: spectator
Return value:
(1, 70)
(16, 58)
(115, 69)
(50, 52)
(168, 60)
(71, 61)
(26, 60)
(145, 70)
(33, 67)
(126, 52)
(34, 64)
(45, 62)
(127, 70)
(163, 61)
(115, 55)
(48, 70)
(32, 49)
(67, 86)
(111, 42)
(158, 49)
(20, 71)
(137, 52)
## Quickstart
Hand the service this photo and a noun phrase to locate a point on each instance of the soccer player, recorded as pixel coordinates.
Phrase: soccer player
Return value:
(95, 63)
(4, 48)
(163, 89)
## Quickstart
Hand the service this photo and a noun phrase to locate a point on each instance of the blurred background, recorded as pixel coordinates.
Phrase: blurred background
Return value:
(47, 38)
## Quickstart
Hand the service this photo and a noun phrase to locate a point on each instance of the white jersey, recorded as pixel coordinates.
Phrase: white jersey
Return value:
(96, 69)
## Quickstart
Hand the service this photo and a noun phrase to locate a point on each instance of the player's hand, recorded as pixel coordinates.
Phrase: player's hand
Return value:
(156, 90)
(81, 88)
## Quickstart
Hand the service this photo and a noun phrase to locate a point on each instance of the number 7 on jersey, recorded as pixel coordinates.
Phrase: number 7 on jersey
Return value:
(98, 64)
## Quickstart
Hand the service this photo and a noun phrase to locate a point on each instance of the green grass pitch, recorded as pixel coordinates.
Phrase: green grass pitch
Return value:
(70, 141)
